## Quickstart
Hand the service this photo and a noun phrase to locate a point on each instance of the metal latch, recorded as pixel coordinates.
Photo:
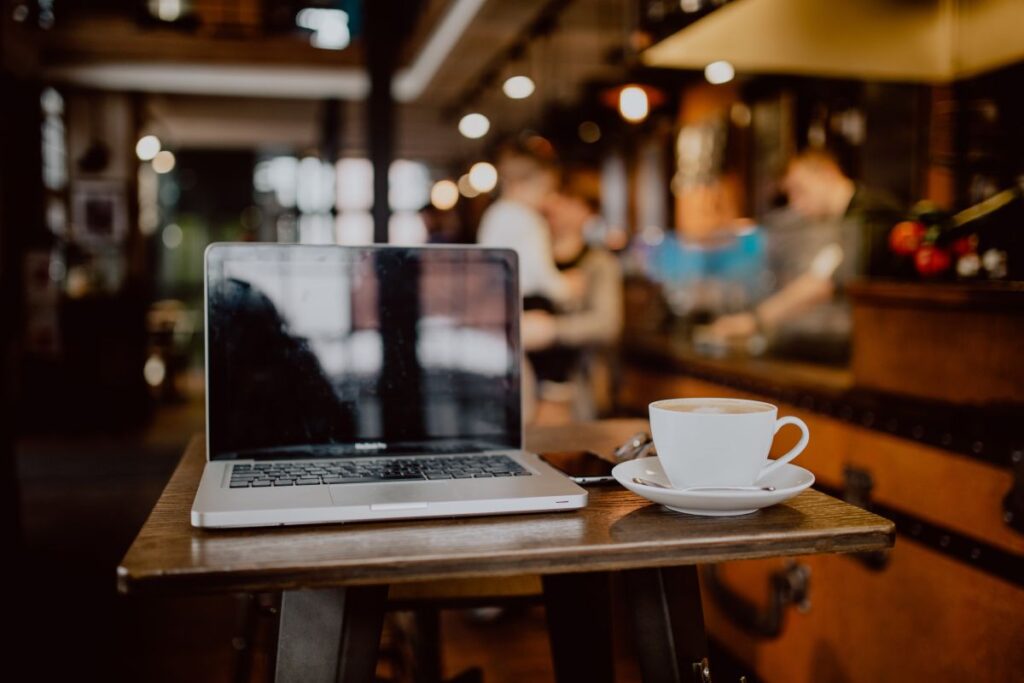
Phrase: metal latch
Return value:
(857, 486)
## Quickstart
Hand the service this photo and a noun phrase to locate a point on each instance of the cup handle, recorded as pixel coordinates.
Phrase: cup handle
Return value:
(795, 451)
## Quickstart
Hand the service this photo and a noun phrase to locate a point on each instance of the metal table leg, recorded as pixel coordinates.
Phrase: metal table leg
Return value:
(330, 635)
(668, 621)
(579, 626)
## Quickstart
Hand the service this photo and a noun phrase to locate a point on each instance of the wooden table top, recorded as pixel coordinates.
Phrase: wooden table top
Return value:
(617, 530)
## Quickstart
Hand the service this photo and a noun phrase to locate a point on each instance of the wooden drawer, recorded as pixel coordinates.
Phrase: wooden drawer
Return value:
(924, 617)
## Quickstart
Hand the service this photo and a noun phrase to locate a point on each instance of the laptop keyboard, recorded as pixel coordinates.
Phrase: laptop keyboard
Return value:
(360, 471)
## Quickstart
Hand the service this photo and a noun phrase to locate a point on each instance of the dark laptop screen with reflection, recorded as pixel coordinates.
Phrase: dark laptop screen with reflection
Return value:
(336, 351)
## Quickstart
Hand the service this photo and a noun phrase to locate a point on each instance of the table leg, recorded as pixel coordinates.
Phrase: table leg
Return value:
(579, 626)
(330, 635)
(427, 645)
(668, 621)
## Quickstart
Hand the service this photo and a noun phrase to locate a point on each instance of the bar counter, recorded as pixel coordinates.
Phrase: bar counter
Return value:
(982, 431)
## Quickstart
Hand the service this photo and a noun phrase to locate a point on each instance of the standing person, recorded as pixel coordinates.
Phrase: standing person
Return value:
(568, 348)
(515, 222)
(839, 233)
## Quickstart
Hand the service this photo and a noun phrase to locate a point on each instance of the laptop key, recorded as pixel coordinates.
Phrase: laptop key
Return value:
(283, 482)
(308, 481)
(439, 475)
(239, 484)
(352, 480)
(481, 475)
(261, 483)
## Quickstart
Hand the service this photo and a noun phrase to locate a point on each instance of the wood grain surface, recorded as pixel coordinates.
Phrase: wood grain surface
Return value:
(617, 530)
(896, 327)
(677, 354)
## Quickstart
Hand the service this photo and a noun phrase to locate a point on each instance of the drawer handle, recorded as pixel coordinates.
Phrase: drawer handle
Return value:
(787, 586)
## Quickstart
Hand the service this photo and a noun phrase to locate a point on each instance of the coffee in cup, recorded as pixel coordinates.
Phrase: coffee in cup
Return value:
(719, 441)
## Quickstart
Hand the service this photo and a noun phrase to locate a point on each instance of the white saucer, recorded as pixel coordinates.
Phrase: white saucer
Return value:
(788, 480)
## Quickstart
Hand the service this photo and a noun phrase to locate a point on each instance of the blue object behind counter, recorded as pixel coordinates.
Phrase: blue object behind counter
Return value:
(738, 258)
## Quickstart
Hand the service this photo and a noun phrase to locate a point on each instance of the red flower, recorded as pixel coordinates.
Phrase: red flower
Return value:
(931, 260)
(965, 245)
(906, 236)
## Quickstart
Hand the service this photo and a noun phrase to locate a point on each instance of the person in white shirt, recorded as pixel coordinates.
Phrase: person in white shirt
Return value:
(515, 222)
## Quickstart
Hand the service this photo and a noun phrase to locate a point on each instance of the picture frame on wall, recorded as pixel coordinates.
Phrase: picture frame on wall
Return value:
(99, 213)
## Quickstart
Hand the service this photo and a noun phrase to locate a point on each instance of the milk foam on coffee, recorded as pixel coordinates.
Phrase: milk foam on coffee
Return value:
(717, 407)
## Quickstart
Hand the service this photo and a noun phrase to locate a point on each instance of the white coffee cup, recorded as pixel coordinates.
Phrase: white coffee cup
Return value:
(719, 441)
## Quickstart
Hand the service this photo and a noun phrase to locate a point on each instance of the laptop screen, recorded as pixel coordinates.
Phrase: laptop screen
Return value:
(333, 351)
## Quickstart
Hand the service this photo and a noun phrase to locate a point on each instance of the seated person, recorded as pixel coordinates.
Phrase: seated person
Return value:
(565, 347)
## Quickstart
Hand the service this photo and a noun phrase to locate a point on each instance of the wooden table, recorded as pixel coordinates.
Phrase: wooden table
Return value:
(335, 578)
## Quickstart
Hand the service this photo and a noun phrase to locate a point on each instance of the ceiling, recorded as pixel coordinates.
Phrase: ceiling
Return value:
(243, 88)
(909, 40)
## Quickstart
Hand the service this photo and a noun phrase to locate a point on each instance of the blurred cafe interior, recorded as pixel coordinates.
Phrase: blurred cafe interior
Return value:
(815, 204)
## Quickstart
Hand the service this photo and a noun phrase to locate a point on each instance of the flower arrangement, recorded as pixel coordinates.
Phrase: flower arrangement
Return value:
(942, 245)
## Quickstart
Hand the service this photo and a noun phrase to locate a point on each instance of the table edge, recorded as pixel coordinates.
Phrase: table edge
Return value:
(540, 561)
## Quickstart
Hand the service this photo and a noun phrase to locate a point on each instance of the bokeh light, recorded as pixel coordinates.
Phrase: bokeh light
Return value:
(633, 104)
(444, 195)
(483, 176)
(474, 126)
(147, 147)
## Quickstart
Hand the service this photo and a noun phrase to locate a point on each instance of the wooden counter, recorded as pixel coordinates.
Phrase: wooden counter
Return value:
(983, 431)
(954, 342)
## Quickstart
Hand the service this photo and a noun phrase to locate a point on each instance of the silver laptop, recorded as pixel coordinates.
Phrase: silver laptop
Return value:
(365, 383)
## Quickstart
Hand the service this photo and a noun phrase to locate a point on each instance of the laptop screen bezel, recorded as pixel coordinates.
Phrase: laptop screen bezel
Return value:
(217, 253)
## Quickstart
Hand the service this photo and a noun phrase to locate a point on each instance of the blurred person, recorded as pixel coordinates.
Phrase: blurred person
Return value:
(515, 221)
(717, 263)
(567, 348)
(835, 231)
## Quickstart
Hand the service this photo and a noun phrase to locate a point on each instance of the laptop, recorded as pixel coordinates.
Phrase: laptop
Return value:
(348, 384)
